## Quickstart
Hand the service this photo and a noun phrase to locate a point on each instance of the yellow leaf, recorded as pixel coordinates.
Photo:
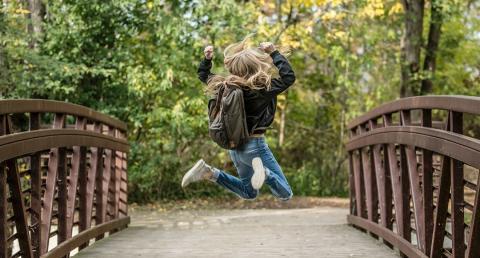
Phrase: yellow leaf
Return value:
(397, 8)
(22, 11)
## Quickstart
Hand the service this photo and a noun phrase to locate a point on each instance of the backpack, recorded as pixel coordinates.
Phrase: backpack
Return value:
(227, 124)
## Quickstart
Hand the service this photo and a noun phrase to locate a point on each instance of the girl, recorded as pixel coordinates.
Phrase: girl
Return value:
(249, 68)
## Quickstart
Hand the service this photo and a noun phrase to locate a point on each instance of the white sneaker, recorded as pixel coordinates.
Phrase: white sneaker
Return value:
(198, 172)
(258, 173)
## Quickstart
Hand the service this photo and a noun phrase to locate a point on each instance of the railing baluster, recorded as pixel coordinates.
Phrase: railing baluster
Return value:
(18, 204)
(416, 195)
(416, 191)
(123, 183)
(351, 181)
(54, 163)
(3, 200)
(427, 185)
(36, 188)
(458, 219)
(370, 185)
(473, 248)
(383, 194)
(117, 179)
(405, 184)
(87, 186)
(103, 181)
(359, 189)
(78, 168)
(441, 210)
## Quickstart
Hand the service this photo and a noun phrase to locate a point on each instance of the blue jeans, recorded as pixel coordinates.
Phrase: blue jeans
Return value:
(242, 159)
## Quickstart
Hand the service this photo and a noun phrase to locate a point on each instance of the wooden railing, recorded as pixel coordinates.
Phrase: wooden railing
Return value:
(414, 175)
(63, 177)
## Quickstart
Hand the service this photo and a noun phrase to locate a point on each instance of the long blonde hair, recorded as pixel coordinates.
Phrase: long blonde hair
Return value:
(249, 68)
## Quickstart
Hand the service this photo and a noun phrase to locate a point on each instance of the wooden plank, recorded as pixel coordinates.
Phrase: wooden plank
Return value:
(359, 189)
(4, 246)
(370, 185)
(438, 236)
(87, 186)
(62, 198)
(405, 121)
(427, 185)
(36, 190)
(78, 168)
(416, 195)
(103, 180)
(457, 205)
(387, 120)
(48, 198)
(384, 195)
(409, 165)
(351, 181)
(117, 180)
(18, 202)
(473, 248)
(124, 176)
(401, 211)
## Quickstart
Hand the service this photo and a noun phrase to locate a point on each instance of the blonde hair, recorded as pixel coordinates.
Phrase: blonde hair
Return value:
(249, 68)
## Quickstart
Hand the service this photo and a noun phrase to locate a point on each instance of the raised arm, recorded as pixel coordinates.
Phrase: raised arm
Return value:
(287, 76)
(205, 65)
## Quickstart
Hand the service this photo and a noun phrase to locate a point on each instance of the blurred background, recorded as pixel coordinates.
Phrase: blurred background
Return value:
(137, 60)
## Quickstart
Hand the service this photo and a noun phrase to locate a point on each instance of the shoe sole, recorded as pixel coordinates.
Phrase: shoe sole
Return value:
(258, 177)
(189, 174)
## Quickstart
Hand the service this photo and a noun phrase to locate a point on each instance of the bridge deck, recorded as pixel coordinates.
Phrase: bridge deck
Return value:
(318, 232)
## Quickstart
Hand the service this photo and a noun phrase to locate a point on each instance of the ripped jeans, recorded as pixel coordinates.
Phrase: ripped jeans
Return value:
(242, 159)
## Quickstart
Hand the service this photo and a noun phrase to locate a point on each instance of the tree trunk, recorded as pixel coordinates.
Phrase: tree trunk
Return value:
(35, 28)
(434, 34)
(411, 47)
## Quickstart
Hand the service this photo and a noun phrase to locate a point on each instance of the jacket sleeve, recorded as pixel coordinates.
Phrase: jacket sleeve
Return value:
(204, 70)
(287, 76)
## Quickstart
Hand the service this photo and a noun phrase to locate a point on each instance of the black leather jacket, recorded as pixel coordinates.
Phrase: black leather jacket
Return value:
(260, 105)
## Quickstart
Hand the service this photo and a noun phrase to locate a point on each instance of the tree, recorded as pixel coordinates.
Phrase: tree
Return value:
(411, 47)
(429, 65)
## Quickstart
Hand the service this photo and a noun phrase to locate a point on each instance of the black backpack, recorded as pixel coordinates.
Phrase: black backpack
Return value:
(227, 124)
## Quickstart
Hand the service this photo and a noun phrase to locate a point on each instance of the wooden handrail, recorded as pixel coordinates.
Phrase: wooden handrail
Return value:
(394, 185)
(87, 159)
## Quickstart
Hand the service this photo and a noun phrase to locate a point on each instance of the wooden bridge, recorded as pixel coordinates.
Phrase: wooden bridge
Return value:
(413, 182)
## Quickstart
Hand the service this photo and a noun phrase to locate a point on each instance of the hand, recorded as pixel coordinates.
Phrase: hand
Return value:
(268, 47)
(208, 51)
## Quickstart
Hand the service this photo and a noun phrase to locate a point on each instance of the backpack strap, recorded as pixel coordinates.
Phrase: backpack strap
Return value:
(218, 100)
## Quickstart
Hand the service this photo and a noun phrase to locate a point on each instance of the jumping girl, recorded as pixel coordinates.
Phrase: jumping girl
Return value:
(251, 69)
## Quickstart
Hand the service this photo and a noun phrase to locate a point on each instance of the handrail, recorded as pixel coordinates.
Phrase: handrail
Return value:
(462, 104)
(67, 175)
(17, 106)
(408, 180)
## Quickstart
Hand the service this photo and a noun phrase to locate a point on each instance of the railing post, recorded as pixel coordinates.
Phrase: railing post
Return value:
(3, 200)
(427, 185)
(17, 200)
(36, 190)
(457, 201)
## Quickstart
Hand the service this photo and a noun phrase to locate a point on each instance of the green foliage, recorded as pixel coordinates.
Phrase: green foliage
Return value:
(137, 60)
